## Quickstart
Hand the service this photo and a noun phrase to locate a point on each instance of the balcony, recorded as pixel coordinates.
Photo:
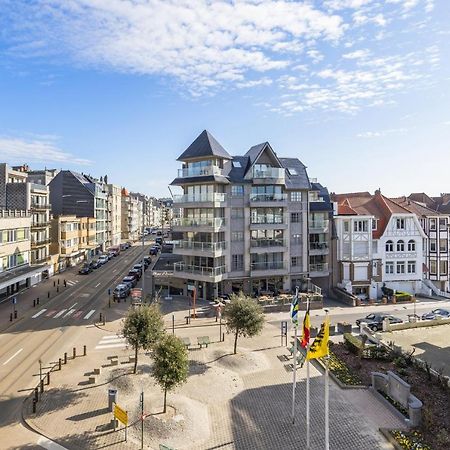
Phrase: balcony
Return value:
(262, 199)
(189, 172)
(268, 222)
(318, 226)
(39, 242)
(318, 248)
(202, 224)
(40, 224)
(267, 245)
(188, 247)
(319, 269)
(268, 268)
(211, 197)
(270, 173)
(40, 206)
(198, 272)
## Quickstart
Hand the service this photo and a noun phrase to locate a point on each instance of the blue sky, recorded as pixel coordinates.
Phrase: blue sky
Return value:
(357, 89)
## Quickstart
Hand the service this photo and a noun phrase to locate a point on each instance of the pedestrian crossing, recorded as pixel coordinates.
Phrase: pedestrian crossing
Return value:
(72, 312)
(111, 341)
(72, 282)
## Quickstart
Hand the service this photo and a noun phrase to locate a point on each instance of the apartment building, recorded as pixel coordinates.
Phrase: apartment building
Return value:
(244, 220)
(72, 240)
(15, 252)
(379, 243)
(114, 216)
(131, 216)
(18, 193)
(72, 193)
(436, 226)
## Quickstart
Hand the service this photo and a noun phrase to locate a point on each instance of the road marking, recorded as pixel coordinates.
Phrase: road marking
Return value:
(73, 306)
(89, 314)
(101, 347)
(98, 284)
(108, 338)
(69, 313)
(112, 341)
(77, 314)
(49, 445)
(42, 311)
(50, 313)
(13, 356)
(60, 313)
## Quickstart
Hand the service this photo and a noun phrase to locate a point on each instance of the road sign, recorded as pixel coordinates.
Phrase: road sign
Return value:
(120, 414)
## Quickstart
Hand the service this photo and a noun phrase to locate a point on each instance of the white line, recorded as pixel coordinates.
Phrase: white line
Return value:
(49, 445)
(106, 338)
(13, 356)
(73, 306)
(42, 311)
(100, 347)
(98, 284)
(68, 313)
(89, 314)
(60, 313)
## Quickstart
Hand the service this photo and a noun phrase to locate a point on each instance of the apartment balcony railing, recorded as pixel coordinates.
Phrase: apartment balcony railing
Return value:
(39, 260)
(199, 171)
(202, 246)
(268, 220)
(274, 265)
(200, 198)
(318, 246)
(39, 242)
(319, 225)
(199, 270)
(320, 267)
(269, 172)
(264, 243)
(278, 197)
(40, 206)
(40, 224)
(215, 222)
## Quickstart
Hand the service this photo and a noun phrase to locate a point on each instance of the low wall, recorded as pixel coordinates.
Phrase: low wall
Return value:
(343, 296)
(419, 324)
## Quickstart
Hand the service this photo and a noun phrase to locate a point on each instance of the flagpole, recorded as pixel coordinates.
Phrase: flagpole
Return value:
(307, 388)
(327, 398)
(294, 375)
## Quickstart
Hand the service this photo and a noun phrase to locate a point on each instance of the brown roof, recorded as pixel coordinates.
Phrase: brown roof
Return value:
(415, 207)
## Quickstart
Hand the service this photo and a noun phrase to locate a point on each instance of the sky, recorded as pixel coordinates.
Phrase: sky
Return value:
(358, 90)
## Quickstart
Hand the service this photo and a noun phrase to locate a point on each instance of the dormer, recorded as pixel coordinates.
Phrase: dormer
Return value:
(265, 167)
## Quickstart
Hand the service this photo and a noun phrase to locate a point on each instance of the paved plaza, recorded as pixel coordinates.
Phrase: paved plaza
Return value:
(230, 401)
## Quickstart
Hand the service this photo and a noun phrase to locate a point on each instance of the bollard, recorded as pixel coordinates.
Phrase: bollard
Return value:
(34, 405)
(216, 317)
(223, 337)
(10, 317)
(37, 301)
(58, 281)
(101, 318)
(84, 350)
(48, 378)
(59, 363)
(36, 394)
(74, 352)
(54, 283)
(65, 358)
(15, 314)
(42, 386)
(104, 319)
(48, 294)
(65, 283)
(57, 288)
(34, 303)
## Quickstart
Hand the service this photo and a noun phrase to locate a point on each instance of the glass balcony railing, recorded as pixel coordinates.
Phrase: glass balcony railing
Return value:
(200, 198)
(320, 267)
(270, 220)
(199, 270)
(264, 243)
(215, 222)
(199, 171)
(318, 224)
(269, 172)
(277, 197)
(274, 265)
(202, 246)
(318, 246)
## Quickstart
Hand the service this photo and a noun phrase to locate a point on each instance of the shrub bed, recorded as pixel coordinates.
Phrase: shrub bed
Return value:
(410, 440)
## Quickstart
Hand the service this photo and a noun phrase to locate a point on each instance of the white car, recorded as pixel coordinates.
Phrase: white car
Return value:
(103, 259)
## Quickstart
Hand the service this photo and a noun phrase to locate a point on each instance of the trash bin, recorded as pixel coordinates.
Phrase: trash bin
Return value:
(112, 398)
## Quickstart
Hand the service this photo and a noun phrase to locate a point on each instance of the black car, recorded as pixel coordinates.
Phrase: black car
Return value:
(85, 269)
(135, 273)
(159, 240)
(138, 266)
(444, 313)
(375, 321)
(154, 251)
(130, 279)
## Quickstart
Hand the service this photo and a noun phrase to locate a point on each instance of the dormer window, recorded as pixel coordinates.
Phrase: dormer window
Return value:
(400, 224)
(292, 171)
(237, 164)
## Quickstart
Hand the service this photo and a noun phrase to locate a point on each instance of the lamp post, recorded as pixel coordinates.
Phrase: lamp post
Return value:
(40, 370)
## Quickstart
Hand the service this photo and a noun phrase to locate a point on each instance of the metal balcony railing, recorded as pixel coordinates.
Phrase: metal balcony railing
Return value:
(269, 172)
(270, 220)
(40, 224)
(42, 206)
(215, 222)
(320, 267)
(39, 242)
(199, 270)
(318, 246)
(274, 265)
(202, 246)
(277, 197)
(200, 198)
(258, 243)
(199, 171)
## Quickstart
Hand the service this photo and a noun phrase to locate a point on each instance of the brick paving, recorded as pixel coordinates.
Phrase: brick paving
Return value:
(246, 399)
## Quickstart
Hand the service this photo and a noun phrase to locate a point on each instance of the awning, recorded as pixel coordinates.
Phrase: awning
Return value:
(20, 274)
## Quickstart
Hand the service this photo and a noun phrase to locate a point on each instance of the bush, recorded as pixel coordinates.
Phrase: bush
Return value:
(341, 371)
(353, 343)
(410, 440)
(402, 296)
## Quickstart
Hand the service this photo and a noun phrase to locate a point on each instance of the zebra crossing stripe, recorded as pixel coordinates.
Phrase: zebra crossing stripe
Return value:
(111, 342)
(69, 313)
(89, 314)
(77, 314)
(42, 311)
(72, 283)
(50, 313)
(60, 313)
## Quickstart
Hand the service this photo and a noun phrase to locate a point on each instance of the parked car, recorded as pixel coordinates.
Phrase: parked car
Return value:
(103, 259)
(439, 312)
(95, 264)
(136, 273)
(138, 266)
(375, 321)
(124, 246)
(148, 259)
(159, 240)
(121, 291)
(130, 279)
(159, 233)
(153, 251)
(85, 269)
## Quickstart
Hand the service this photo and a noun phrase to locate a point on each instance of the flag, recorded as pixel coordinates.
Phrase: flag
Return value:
(306, 327)
(319, 347)
(294, 310)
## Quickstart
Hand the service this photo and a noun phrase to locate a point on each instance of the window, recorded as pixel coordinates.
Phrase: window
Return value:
(400, 224)
(296, 239)
(346, 226)
(411, 267)
(432, 224)
(295, 217)
(389, 267)
(389, 246)
(374, 224)
(442, 224)
(237, 213)
(400, 246)
(237, 190)
(443, 245)
(296, 196)
(295, 261)
(411, 245)
(433, 269)
(443, 268)
(401, 267)
(237, 164)
(433, 245)
(292, 171)
(237, 262)
(237, 236)
(360, 226)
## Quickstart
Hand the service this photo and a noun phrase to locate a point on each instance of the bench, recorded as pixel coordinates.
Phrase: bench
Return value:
(186, 342)
(203, 341)
(97, 371)
(92, 380)
(112, 357)
(114, 362)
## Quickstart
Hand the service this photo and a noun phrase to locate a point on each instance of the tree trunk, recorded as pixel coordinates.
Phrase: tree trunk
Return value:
(136, 348)
(165, 399)
(235, 340)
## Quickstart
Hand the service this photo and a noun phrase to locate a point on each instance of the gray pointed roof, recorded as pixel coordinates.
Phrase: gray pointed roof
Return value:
(204, 145)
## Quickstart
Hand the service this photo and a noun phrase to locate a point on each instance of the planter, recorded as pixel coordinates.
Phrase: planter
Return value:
(344, 327)
(358, 302)
(371, 301)
(384, 300)
(394, 299)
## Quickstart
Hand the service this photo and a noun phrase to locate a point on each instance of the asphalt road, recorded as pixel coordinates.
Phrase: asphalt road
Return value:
(45, 334)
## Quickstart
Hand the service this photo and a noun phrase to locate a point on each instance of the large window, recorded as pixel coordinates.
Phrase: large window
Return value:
(401, 224)
(237, 262)
(442, 224)
(400, 246)
(267, 215)
(443, 267)
(433, 247)
(411, 267)
(346, 226)
(237, 213)
(295, 261)
(411, 245)
(433, 224)
(433, 268)
(237, 236)
(389, 246)
(237, 190)
(389, 268)
(296, 196)
(360, 226)
(401, 267)
(266, 193)
(295, 217)
(296, 239)
(443, 245)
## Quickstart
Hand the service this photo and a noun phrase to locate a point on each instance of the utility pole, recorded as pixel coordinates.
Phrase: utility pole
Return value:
(142, 419)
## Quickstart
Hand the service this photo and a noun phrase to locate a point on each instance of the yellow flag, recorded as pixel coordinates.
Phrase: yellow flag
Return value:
(319, 347)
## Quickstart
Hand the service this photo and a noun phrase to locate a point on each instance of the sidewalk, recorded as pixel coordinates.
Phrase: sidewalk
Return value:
(229, 401)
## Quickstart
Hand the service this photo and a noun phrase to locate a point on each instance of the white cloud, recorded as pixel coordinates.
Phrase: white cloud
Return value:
(40, 149)
(382, 133)
(357, 54)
